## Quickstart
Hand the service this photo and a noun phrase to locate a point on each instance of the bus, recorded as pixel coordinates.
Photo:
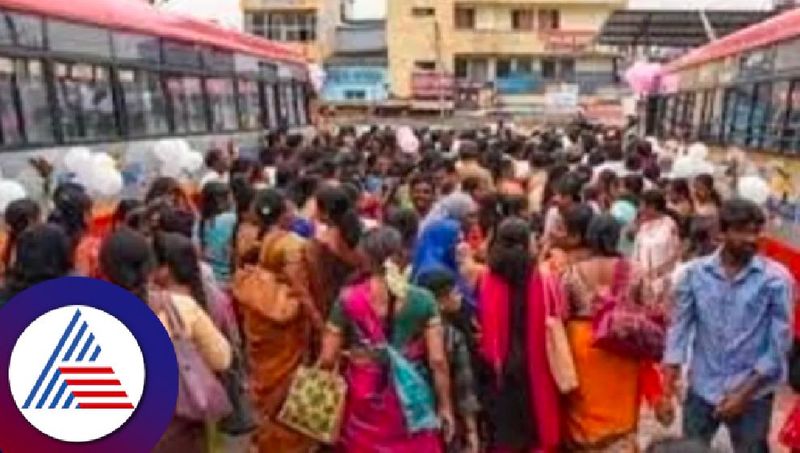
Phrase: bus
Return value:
(741, 90)
(120, 75)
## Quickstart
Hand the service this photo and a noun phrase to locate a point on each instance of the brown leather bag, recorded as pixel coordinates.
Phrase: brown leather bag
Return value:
(259, 290)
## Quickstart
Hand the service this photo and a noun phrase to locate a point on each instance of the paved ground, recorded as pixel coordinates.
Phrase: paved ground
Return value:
(650, 429)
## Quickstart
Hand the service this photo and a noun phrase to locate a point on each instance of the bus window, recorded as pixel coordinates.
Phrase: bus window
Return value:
(10, 131)
(270, 100)
(188, 105)
(777, 121)
(791, 133)
(85, 101)
(249, 111)
(222, 101)
(740, 119)
(760, 114)
(145, 103)
(716, 115)
(300, 99)
(36, 111)
(287, 104)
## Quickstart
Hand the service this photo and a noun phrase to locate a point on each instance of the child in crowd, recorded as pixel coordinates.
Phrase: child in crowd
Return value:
(457, 337)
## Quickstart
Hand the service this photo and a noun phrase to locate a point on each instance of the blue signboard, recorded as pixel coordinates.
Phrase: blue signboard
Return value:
(356, 83)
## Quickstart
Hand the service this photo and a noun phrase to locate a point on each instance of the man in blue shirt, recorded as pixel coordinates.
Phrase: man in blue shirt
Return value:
(732, 311)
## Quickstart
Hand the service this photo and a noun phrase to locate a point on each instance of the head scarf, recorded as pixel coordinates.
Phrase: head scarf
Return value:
(436, 249)
(456, 206)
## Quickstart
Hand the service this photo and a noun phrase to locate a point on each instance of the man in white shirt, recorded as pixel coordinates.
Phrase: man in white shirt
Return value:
(218, 167)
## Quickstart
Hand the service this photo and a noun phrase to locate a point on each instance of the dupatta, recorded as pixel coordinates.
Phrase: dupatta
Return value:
(493, 313)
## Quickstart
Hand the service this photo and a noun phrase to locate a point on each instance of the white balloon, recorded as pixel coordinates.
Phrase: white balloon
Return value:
(754, 188)
(10, 191)
(682, 168)
(103, 160)
(697, 151)
(407, 140)
(77, 158)
(167, 150)
(194, 161)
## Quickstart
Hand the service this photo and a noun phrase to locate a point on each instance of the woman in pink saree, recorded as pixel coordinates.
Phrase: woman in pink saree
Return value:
(521, 400)
(376, 310)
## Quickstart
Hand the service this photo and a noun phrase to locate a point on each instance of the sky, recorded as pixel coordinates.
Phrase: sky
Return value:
(375, 9)
(369, 9)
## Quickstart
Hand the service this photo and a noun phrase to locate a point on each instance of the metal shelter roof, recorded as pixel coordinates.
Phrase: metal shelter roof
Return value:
(673, 28)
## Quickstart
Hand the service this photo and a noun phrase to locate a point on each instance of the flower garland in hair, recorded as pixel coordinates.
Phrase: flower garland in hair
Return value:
(395, 279)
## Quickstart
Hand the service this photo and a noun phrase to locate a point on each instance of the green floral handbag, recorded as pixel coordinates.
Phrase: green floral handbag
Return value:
(315, 404)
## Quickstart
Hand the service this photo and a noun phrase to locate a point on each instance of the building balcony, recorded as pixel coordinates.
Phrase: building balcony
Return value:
(293, 5)
(493, 41)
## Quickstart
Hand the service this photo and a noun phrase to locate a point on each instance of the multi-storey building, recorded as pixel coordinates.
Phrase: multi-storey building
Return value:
(307, 26)
(517, 49)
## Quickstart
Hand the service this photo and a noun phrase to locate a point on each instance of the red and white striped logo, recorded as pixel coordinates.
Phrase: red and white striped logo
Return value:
(77, 373)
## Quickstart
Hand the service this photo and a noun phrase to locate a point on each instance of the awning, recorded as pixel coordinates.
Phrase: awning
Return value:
(672, 28)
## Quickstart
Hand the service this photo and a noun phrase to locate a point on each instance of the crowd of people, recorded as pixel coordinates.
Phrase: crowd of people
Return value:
(487, 260)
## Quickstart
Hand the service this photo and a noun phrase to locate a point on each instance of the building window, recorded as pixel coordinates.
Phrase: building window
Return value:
(549, 71)
(294, 26)
(86, 101)
(522, 19)
(525, 66)
(425, 65)
(145, 103)
(549, 19)
(503, 67)
(461, 68)
(256, 23)
(562, 69)
(567, 70)
(423, 11)
(355, 95)
(465, 18)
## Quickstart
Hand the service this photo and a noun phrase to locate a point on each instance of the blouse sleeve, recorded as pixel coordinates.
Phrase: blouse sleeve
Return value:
(428, 309)
(210, 342)
(337, 321)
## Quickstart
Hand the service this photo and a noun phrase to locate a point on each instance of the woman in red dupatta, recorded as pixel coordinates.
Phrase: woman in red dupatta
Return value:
(521, 399)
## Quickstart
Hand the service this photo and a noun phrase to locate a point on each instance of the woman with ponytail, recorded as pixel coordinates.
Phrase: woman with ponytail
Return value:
(179, 288)
(217, 228)
(389, 326)
(19, 216)
(277, 317)
(331, 257)
(72, 212)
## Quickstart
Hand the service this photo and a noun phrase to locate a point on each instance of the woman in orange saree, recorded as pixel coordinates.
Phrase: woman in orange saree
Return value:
(276, 321)
(602, 415)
